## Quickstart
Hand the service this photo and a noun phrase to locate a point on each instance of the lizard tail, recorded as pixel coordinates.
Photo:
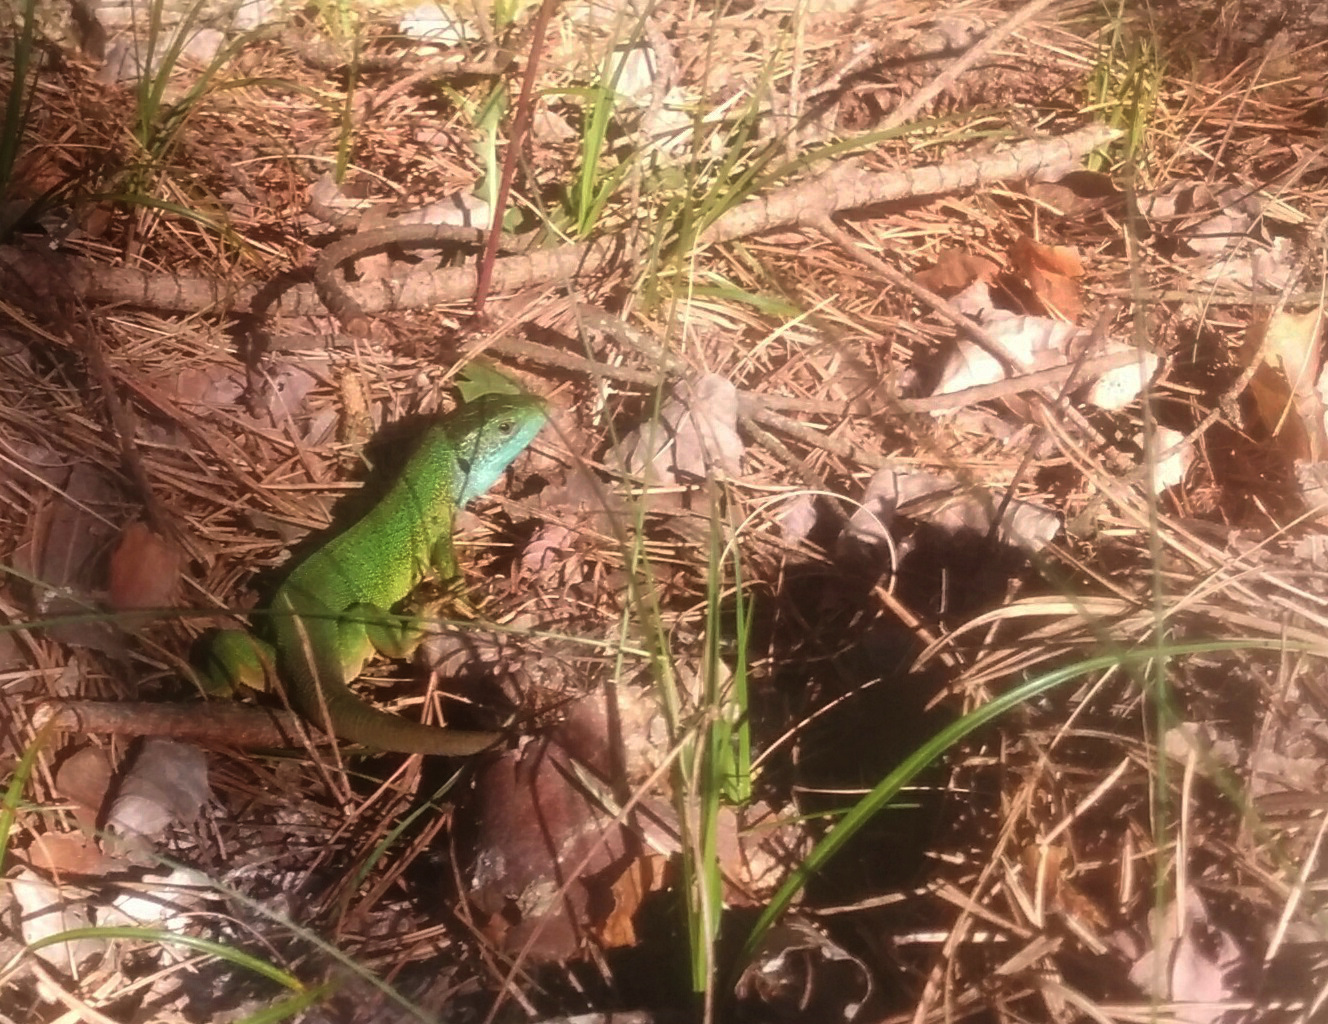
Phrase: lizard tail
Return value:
(358, 721)
(315, 675)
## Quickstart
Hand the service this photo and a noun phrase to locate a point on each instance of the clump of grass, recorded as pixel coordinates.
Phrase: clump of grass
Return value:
(18, 104)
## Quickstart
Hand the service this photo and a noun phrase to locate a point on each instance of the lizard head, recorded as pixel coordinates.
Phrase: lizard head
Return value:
(489, 433)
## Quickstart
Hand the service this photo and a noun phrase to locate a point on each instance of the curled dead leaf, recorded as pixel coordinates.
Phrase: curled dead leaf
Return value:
(1050, 272)
(83, 778)
(955, 270)
(145, 569)
(1285, 388)
(641, 876)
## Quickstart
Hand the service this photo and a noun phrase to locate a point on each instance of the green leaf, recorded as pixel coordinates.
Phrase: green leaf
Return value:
(480, 378)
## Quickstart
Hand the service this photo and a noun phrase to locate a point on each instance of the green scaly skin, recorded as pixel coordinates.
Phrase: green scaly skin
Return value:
(330, 614)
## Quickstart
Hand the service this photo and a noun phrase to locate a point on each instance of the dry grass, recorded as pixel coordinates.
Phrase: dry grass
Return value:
(1030, 871)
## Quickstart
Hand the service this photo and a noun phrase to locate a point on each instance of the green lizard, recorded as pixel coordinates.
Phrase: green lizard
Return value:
(333, 610)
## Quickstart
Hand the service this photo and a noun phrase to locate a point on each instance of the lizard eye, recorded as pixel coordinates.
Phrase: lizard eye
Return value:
(506, 427)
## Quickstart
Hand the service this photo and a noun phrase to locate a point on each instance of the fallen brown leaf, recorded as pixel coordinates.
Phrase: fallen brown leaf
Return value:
(628, 891)
(83, 779)
(145, 570)
(1286, 399)
(67, 853)
(1050, 272)
(954, 270)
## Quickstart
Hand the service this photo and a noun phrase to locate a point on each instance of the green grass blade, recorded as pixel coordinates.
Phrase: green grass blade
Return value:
(285, 1009)
(19, 97)
(199, 945)
(14, 791)
(885, 790)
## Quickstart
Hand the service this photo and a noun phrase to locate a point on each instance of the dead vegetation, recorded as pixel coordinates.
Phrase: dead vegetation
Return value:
(1013, 405)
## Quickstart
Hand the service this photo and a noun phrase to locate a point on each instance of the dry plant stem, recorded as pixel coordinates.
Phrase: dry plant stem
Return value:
(763, 408)
(342, 220)
(447, 68)
(853, 249)
(1224, 571)
(328, 264)
(79, 1009)
(122, 420)
(812, 437)
(1217, 164)
(913, 623)
(520, 124)
(849, 185)
(49, 274)
(780, 451)
(806, 202)
(867, 49)
(217, 723)
(912, 106)
(1088, 369)
(987, 878)
(1212, 296)
(1297, 893)
(227, 452)
(356, 919)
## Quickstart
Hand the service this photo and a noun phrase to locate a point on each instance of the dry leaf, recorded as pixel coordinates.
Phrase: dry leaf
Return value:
(536, 825)
(708, 439)
(696, 435)
(1050, 271)
(1055, 259)
(628, 891)
(1117, 388)
(955, 270)
(167, 783)
(1076, 194)
(547, 548)
(941, 500)
(1284, 387)
(61, 854)
(214, 384)
(1220, 229)
(145, 570)
(799, 975)
(1060, 199)
(798, 519)
(1030, 342)
(1291, 345)
(1173, 456)
(83, 779)
(1192, 962)
(47, 910)
(1048, 872)
(173, 901)
(1035, 343)
(66, 541)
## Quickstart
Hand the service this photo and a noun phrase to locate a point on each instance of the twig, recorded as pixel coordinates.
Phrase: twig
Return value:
(909, 109)
(520, 124)
(842, 188)
(224, 724)
(850, 185)
(975, 331)
(341, 304)
(126, 433)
